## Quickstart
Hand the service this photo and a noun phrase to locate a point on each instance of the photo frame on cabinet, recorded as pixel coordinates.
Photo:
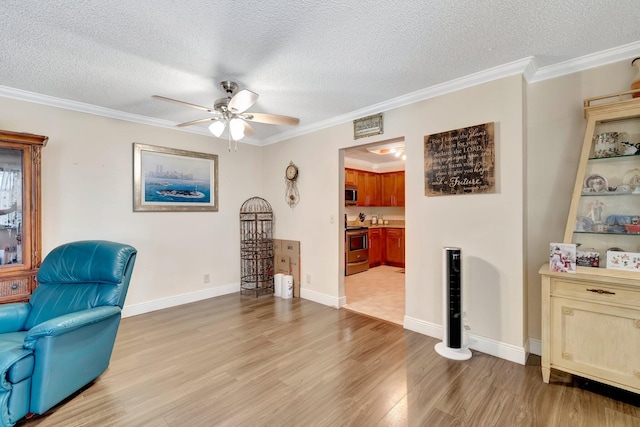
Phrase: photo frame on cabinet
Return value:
(168, 179)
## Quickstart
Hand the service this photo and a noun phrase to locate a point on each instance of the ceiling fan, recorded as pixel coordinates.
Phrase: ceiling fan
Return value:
(230, 112)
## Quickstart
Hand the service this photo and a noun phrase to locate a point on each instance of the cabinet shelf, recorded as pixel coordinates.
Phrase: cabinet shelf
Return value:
(621, 156)
(608, 194)
(610, 233)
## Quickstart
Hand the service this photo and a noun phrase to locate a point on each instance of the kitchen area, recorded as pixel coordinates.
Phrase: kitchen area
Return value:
(375, 229)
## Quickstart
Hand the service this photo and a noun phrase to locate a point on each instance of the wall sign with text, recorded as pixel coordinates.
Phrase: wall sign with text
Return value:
(460, 161)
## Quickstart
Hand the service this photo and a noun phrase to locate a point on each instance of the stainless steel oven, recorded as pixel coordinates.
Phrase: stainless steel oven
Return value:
(356, 250)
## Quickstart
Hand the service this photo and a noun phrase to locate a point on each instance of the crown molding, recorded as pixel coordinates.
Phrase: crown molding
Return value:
(586, 62)
(37, 98)
(495, 73)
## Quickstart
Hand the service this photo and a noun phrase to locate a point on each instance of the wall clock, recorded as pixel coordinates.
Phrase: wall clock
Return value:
(292, 196)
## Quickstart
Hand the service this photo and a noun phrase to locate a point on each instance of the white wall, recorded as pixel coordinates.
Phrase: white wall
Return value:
(488, 227)
(87, 194)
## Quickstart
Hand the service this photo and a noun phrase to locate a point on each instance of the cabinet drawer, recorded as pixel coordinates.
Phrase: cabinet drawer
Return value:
(394, 232)
(596, 292)
(14, 287)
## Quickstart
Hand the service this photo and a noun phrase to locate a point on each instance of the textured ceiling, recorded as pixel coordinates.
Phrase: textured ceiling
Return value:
(309, 59)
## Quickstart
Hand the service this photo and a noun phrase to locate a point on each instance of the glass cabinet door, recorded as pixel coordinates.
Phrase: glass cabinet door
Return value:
(11, 205)
(607, 213)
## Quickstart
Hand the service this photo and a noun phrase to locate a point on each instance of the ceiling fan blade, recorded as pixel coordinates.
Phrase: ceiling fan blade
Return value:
(195, 122)
(184, 104)
(242, 101)
(248, 130)
(272, 119)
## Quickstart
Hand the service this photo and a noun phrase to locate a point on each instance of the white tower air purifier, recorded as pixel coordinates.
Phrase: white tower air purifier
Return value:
(451, 346)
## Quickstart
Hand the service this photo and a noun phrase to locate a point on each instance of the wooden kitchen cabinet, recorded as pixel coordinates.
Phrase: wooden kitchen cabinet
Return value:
(399, 188)
(394, 247)
(368, 188)
(591, 319)
(350, 177)
(20, 214)
(392, 185)
(372, 189)
(377, 189)
(375, 247)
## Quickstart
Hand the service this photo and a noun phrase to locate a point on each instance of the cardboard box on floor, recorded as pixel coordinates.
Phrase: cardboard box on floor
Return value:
(281, 264)
(287, 261)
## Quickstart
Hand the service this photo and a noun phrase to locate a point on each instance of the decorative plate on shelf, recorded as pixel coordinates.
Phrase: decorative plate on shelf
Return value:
(596, 183)
(632, 178)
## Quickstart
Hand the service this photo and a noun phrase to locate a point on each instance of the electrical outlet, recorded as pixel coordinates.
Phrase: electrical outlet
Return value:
(308, 278)
(206, 278)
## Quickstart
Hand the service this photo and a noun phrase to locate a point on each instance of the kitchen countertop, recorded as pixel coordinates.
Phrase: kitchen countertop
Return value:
(367, 223)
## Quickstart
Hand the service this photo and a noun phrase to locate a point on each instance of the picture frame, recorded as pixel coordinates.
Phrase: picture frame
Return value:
(460, 161)
(620, 260)
(169, 179)
(562, 257)
(367, 126)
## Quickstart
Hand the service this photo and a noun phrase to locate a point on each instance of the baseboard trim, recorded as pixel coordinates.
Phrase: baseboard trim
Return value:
(321, 298)
(535, 346)
(476, 342)
(172, 301)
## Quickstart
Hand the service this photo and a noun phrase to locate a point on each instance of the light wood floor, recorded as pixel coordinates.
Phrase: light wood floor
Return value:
(377, 292)
(245, 361)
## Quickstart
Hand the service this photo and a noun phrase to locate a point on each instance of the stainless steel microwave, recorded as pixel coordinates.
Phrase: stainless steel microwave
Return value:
(350, 195)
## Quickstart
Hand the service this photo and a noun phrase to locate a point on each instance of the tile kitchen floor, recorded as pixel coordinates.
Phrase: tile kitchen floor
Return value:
(377, 292)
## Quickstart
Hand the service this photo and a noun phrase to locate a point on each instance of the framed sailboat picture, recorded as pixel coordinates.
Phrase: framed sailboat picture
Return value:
(168, 179)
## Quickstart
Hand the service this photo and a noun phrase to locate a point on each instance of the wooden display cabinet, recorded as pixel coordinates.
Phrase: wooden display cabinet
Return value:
(591, 319)
(20, 214)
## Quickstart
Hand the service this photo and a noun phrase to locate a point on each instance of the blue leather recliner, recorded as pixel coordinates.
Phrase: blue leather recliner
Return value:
(63, 337)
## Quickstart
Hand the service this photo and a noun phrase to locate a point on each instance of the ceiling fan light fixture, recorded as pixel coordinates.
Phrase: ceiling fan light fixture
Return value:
(217, 127)
(236, 128)
(387, 148)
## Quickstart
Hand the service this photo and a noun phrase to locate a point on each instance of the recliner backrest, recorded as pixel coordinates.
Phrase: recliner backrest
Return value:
(81, 275)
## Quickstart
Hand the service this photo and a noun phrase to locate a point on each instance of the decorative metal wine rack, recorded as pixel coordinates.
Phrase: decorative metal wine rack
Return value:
(256, 246)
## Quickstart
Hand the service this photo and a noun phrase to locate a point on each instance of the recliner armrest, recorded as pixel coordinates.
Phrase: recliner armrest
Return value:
(13, 316)
(69, 322)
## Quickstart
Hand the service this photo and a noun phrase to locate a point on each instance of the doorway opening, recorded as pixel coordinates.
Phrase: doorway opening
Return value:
(374, 282)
